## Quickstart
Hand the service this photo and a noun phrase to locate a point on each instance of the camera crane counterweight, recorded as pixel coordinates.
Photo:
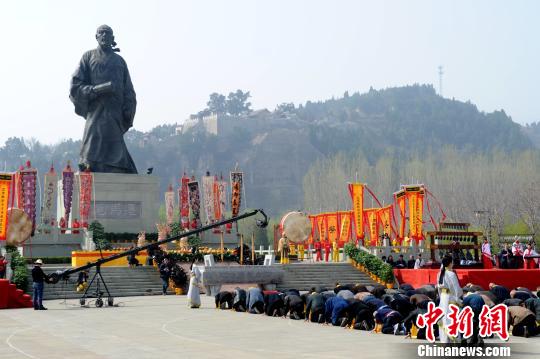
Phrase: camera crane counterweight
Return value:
(64, 274)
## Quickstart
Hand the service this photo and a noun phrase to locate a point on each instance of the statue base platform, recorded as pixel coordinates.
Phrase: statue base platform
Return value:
(122, 203)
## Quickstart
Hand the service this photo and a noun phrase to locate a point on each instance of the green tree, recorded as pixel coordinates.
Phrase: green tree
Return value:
(237, 102)
(98, 235)
(217, 103)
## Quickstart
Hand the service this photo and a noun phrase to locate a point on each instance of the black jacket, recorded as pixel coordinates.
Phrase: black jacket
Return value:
(38, 276)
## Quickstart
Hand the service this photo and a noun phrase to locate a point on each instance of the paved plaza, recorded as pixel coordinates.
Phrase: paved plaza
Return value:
(163, 326)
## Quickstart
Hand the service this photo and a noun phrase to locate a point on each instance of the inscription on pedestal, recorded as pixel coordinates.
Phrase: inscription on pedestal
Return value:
(118, 210)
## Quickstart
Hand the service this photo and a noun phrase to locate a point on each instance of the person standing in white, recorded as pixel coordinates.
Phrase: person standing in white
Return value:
(419, 262)
(450, 292)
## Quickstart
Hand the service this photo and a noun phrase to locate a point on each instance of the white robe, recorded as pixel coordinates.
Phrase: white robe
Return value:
(449, 293)
(194, 294)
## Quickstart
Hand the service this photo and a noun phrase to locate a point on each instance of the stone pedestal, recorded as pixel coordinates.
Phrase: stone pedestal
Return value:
(120, 202)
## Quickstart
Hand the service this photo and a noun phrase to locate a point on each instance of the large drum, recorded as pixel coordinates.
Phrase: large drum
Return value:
(296, 226)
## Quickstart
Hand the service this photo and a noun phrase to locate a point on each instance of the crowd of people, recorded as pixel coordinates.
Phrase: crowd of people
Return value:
(389, 311)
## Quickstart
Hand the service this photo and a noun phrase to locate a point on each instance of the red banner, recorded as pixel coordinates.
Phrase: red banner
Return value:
(236, 192)
(217, 205)
(332, 226)
(183, 201)
(5, 189)
(385, 219)
(321, 227)
(85, 197)
(356, 190)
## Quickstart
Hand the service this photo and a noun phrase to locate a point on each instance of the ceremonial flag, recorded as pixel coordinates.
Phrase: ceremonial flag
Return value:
(222, 197)
(85, 197)
(236, 192)
(183, 201)
(400, 198)
(29, 182)
(216, 197)
(345, 230)
(313, 221)
(333, 227)
(321, 226)
(48, 211)
(6, 181)
(372, 223)
(415, 196)
(195, 203)
(67, 191)
(385, 219)
(208, 197)
(169, 204)
(356, 190)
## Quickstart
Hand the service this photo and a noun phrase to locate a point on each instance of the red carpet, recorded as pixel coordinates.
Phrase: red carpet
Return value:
(510, 278)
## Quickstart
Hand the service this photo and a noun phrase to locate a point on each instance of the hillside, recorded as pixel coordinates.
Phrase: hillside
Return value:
(276, 149)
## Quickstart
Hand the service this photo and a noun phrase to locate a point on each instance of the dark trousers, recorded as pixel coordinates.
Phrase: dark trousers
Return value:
(228, 304)
(165, 283)
(529, 323)
(363, 315)
(257, 308)
(389, 322)
(239, 306)
(316, 315)
(38, 295)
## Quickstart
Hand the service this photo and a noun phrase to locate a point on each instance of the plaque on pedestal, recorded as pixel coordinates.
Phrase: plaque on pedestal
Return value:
(120, 202)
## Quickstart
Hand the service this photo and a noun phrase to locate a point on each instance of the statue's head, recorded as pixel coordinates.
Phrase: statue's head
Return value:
(105, 37)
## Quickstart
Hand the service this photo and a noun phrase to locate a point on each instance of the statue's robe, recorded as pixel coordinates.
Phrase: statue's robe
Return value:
(108, 115)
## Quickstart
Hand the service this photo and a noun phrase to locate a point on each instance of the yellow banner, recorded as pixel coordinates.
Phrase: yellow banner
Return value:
(372, 222)
(332, 225)
(400, 198)
(345, 230)
(356, 190)
(5, 186)
(415, 196)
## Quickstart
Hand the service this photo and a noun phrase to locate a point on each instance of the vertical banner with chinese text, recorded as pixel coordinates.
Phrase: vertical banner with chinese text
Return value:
(183, 201)
(217, 200)
(85, 197)
(195, 204)
(415, 196)
(169, 204)
(385, 219)
(400, 199)
(208, 197)
(356, 190)
(29, 184)
(321, 226)
(345, 230)
(332, 226)
(6, 182)
(236, 192)
(372, 224)
(67, 191)
(48, 211)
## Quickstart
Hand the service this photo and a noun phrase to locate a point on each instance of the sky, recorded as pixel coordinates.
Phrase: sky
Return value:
(178, 52)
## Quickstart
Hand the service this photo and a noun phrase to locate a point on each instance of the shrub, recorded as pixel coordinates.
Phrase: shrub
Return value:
(386, 273)
(20, 271)
(98, 236)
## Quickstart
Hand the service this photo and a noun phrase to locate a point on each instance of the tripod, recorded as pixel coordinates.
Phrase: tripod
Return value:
(98, 294)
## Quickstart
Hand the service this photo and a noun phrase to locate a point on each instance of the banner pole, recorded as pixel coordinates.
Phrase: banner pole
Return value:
(221, 245)
(253, 248)
(241, 249)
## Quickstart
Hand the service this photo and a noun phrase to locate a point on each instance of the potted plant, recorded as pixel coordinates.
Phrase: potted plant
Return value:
(387, 275)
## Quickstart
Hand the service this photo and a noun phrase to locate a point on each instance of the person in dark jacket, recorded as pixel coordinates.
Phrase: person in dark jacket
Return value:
(295, 306)
(360, 315)
(400, 263)
(501, 293)
(239, 302)
(390, 320)
(39, 278)
(335, 311)
(165, 274)
(533, 304)
(522, 321)
(315, 307)
(224, 300)
(411, 262)
(274, 305)
(476, 302)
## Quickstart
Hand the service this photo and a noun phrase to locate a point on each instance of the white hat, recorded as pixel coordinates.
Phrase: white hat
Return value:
(38, 261)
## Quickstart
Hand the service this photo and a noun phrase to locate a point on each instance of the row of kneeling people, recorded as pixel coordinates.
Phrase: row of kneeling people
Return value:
(366, 308)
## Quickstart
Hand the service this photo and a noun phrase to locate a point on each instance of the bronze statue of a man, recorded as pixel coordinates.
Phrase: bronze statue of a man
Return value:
(103, 94)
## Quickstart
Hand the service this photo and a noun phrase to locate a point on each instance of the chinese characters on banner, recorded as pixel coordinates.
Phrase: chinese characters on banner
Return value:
(85, 197)
(356, 190)
(372, 223)
(183, 201)
(5, 189)
(48, 210)
(236, 193)
(67, 191)
(345, 230)
(491, 321)
(195, 204)
(400, 200)
(321, 226)
(332, 226)
(216, 198)
(208, 197)
(28, 186)
(385, 219)
(415, 196)
(169, 205)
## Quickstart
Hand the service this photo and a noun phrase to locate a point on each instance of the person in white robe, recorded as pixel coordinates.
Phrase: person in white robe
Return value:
(450, 292)
(194, 294)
